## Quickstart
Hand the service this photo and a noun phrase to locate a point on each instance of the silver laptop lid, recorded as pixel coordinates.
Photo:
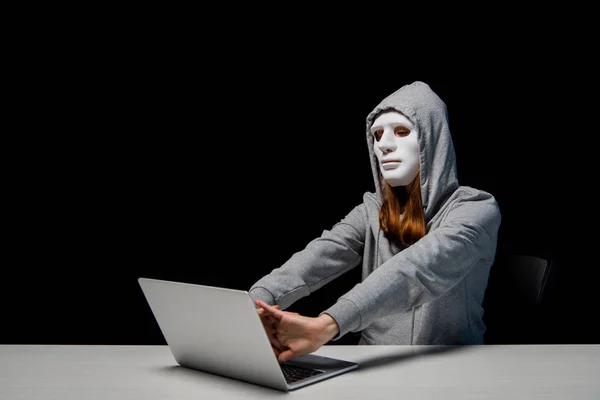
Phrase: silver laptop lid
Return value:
(214, 330)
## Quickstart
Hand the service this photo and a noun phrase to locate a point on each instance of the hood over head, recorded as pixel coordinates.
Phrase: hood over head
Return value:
(428, 112)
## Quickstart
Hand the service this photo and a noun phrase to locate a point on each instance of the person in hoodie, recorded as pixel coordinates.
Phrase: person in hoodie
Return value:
(424, 242)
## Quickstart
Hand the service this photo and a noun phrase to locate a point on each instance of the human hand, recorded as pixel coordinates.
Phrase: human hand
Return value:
(269, 323)
(299, 335)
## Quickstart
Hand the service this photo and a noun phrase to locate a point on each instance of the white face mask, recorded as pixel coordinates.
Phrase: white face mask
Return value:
(396, 147)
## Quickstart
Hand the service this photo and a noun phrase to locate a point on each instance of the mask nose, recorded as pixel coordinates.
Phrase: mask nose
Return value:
(386, 144)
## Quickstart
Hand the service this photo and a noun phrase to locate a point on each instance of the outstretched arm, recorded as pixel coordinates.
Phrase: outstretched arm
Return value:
(426, 270)
(332, 254)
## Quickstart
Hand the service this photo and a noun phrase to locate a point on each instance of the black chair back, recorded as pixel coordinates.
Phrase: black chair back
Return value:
(513, 304)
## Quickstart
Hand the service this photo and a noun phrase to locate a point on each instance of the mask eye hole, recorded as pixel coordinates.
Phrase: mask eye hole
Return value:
(401, 131)
(377, 134)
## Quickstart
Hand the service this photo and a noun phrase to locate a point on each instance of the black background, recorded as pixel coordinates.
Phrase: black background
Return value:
(212, 161)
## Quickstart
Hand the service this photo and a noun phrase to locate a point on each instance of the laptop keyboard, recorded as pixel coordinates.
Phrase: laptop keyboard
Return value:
(294, 373)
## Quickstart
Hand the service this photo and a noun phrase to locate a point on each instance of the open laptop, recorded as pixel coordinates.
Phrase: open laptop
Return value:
(218, 330)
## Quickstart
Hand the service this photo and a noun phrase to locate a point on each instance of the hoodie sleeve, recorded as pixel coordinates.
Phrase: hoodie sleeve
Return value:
(335, 252)
(423, 271)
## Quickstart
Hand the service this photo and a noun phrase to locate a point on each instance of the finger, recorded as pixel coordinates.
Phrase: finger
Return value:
(274, 311)
(275, 343)
(265, 317)
(262, 313)
(277, 352)
(285, 356)
(259, 308)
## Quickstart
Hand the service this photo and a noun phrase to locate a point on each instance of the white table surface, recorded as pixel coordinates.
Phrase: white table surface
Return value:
(566, 372)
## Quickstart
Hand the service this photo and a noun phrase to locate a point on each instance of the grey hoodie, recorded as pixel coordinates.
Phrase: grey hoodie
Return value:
(428, 293)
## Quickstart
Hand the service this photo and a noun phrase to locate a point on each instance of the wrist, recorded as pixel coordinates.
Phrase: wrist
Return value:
(329, 327)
